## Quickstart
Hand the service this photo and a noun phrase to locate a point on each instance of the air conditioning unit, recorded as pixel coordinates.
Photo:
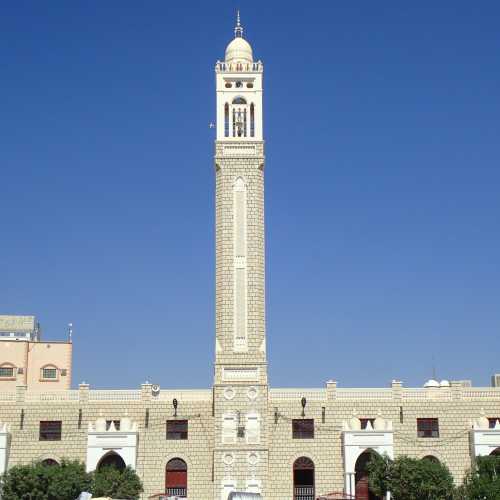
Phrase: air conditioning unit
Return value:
(20, 371)
(155, 389)
(495, 380)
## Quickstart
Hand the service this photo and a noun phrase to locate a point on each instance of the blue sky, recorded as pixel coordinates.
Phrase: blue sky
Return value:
(382, 129)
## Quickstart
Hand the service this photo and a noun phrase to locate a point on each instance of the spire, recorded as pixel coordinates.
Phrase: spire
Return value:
(238, 30)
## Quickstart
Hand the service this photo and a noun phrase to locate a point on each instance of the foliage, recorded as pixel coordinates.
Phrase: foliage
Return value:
(115, 483)
(410, 479)
(483, 481)
(41, 482)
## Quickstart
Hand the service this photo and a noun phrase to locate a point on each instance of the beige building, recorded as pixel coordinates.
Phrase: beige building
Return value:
(28, 361)
(241, 434)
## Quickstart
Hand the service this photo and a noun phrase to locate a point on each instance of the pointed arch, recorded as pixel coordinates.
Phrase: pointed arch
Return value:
(362, 487)
(111, 459)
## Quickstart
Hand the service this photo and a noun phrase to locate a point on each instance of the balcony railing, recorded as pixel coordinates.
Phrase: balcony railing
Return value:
(303, 493)
(176, 492)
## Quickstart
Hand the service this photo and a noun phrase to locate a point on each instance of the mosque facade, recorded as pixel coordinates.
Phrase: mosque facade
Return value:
(239, 435)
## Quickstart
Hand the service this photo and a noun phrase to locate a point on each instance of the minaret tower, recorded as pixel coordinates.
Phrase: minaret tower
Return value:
(240, 385)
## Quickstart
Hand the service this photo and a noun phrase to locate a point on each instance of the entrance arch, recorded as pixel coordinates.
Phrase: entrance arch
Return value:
(176, 478)
(361, 477)
(49, 462)
(111, 459)
(303, 479)
(431, 458)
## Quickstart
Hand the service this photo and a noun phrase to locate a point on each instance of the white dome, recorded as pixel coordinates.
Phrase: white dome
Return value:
(239, 50)
(431, 383)
(445, 383)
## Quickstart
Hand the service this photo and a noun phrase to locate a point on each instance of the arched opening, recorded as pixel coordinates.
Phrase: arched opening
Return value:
(431, 458)
(252, 120)
(239, 100)
(226, 120)
(496, 453)
(303, 479)
(111, 459)
(362, 487)
(176, 478)
(49, 462)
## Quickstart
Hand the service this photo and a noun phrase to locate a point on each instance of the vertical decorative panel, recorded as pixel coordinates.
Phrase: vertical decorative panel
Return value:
(240, 264)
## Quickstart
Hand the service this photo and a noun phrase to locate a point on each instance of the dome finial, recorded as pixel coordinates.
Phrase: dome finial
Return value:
(238, 30)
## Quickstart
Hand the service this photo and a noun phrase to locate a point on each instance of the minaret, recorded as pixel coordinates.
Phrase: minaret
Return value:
(240, 385)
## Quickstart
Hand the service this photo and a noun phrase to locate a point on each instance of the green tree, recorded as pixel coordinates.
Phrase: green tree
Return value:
(410, 479)
(25, 482)
(67, 481)
(483, 481)
(112, 482)
(37, 481)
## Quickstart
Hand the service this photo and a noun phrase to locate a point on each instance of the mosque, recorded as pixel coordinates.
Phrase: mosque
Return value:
(240, 434)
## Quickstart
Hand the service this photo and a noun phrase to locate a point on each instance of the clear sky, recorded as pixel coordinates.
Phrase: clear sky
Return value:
(382, 125)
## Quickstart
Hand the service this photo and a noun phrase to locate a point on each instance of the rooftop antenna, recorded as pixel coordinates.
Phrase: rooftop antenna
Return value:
(238, 30)
(434, 368)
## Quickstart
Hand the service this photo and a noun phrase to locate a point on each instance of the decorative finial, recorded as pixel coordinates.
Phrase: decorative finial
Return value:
(238, 31)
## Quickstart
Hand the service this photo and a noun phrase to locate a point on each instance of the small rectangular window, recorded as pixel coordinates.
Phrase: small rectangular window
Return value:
(49, 373)
(303, 428)
(427, 427)
(177, 429)
(6, 372)
(50, 430)
(116, 423)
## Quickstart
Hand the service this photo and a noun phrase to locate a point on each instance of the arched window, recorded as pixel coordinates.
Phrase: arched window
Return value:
(239, 100)
(49, 373)
(111, 459)
(303, 479)
(7, 371)
(252, 120)
(226, 120)
(176, 478)
(361, 470)
(431, 458)
(49, 462)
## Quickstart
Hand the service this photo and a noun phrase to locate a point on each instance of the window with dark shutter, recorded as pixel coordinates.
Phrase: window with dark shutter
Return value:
(427, 427)
(50, 430)
(177, 429)
(303, 428)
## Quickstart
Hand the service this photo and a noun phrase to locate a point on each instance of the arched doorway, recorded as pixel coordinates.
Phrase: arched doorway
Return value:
(303, 479)
(431, 458)
(111, 459)
(176, 478)
(362, 487)
(496, 452)
(49, 462)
